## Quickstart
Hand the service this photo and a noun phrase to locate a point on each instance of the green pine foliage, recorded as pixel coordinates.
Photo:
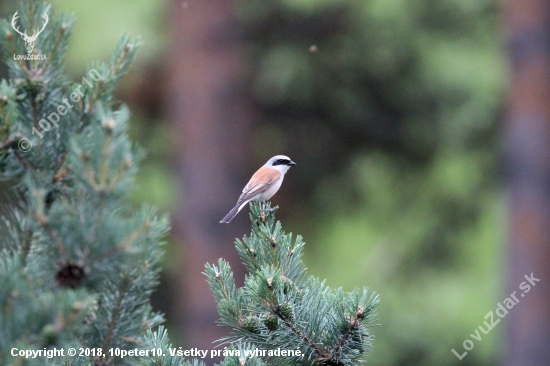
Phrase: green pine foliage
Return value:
(77, 263)
(280, 308)
(243, 353)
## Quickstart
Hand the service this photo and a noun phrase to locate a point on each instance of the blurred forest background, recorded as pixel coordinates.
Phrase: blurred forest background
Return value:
(391, 110)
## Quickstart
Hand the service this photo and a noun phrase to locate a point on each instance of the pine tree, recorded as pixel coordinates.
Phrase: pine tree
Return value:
(280, 309)
(78, 264)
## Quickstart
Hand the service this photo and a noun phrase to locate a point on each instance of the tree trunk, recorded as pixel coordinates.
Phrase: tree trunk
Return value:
(209, 114)
(527, 164)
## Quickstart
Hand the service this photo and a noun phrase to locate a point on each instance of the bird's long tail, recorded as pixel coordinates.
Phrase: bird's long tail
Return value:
(234, 211)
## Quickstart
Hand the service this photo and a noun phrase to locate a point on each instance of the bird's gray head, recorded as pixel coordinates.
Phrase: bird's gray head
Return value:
(280, 162)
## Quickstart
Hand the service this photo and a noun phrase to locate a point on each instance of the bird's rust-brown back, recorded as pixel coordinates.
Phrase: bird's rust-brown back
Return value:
(260, 181)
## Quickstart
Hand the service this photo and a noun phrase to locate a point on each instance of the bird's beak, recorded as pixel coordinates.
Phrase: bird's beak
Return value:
(291, 163)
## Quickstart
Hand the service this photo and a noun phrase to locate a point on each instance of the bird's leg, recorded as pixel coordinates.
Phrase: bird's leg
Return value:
(263, 213)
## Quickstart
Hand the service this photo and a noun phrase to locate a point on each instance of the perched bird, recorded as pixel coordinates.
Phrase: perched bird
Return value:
(263, 184)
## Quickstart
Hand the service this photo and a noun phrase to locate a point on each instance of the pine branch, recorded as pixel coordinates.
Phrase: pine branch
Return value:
(122, 292)
(127, 242)
(353, 325)
(57, 45)
(279, 307)
(312, 344)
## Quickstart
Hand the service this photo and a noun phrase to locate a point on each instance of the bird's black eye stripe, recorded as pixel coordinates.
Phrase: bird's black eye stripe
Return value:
(281, 162)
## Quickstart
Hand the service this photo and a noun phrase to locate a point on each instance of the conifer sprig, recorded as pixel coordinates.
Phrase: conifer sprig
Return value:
(279, 307)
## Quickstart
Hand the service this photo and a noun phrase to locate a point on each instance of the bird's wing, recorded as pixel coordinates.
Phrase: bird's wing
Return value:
(260, 181)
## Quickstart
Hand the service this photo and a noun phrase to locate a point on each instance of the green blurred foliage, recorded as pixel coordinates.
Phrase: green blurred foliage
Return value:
(102, 22)
(390, 108)
(438, 268)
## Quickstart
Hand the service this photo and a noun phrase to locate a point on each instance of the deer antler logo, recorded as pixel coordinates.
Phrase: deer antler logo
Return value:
(29, 40)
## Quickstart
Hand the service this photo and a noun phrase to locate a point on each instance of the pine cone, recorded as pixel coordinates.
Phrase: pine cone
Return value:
(271, 321)
(285, 309)
(70, 274)
(251, 324)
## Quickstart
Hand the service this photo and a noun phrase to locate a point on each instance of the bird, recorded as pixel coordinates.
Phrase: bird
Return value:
(263, 185)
